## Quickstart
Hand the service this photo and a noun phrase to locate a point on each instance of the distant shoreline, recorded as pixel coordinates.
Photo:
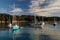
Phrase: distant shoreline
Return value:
(23, 21)
(13, 21)
(25, 18)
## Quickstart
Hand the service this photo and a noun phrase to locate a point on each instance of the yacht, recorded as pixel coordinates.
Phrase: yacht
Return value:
(14, 25)
(42, 23)
(15, 28)
(55, 23)
(37, 24)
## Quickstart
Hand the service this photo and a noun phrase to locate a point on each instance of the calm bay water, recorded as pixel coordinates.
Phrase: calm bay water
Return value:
(48, 32)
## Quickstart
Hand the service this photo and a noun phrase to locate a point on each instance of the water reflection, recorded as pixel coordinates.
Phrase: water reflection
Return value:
(49, 32)
(44, 37)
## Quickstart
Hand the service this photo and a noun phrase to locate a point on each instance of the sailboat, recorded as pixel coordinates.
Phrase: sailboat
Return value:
(36, 24)
(14, 26)
(42, 23)
(10, 25)
(54, 24)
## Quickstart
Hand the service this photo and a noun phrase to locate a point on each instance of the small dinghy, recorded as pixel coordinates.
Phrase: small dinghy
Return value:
(15, 28)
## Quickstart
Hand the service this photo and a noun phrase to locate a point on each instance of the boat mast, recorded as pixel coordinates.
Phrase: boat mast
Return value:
(13, 20)
(42, 19)
(35, 19)
(54, 19)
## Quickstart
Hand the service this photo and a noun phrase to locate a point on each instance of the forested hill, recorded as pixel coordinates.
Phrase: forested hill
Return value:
(7, 17)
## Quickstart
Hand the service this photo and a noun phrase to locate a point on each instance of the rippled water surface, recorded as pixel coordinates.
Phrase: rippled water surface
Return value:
(48, 32)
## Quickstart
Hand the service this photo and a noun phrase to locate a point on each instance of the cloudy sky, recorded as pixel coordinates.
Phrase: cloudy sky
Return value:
(31, 7)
